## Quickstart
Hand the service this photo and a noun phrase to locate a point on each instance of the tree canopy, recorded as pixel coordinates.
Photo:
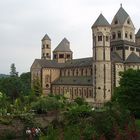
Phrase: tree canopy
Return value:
(13, 71)
(128, 93)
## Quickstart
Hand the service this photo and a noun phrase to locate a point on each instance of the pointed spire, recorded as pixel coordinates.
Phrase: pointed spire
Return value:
(101, 21)
(46, 37)
(63, 46)
(121, 15)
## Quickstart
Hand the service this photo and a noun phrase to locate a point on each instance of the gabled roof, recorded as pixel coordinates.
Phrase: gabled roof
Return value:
(83, 62)
(138, 33)
(115, 57)
(101, 21)
(132, 58)
(63, 46)
(121, 15)
(79, 80)
(46, 37)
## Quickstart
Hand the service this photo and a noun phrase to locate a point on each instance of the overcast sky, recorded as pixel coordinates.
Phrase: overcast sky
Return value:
(23, 23)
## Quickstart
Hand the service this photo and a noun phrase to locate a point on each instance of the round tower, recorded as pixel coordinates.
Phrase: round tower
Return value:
(101, 60)
(46, 48)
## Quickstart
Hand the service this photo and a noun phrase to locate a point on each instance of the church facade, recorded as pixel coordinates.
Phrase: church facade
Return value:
(116, 48)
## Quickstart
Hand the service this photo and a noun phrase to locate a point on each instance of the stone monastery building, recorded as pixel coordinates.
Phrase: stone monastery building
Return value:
(116, 48)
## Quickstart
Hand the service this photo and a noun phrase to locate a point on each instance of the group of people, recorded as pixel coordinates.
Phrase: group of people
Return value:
(33, 133)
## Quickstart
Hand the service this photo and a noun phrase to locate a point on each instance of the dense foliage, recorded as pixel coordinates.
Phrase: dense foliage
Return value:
(127, 95)
(74, 119)
(15, 86)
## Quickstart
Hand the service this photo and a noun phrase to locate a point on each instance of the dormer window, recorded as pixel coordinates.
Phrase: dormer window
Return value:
(100, 38)
(116, 22)
(128, 21)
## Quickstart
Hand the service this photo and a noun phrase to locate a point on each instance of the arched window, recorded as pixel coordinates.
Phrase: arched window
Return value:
(99, 38)
(131, 36)
(68, 72)
(47, 78)
(128, 21)
(81, 72)
(76, 72)
(126, 34)
(113, 35)
(119, 34)
(107, 38)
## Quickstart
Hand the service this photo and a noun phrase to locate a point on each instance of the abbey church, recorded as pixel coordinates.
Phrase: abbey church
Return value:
(116, 48)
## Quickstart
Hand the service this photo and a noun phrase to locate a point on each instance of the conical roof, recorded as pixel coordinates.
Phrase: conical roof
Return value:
(121, 15)
(46, 37)
(101, 21)
(63, 46)
(138, 33)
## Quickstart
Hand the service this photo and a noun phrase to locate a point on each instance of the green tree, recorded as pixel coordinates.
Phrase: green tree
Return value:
(25, 79)
(128, 93)
(13, 70)
(11, 86)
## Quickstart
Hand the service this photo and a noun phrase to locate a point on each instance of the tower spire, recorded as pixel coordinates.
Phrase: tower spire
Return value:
(121, 5)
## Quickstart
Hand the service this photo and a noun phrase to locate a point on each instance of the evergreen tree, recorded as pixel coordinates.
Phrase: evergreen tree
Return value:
(13, 70)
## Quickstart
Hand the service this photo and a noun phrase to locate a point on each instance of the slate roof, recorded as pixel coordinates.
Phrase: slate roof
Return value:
(83, 62)
(80, 80)
(138, 33)
(115, 57)
(63, 46)
(46, 37)
(48, 63)
(101, 21)
(133, 58)
(121, 15)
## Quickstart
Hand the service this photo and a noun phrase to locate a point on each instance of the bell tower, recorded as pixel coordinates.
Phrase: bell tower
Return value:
(46, 48)
(101, 60)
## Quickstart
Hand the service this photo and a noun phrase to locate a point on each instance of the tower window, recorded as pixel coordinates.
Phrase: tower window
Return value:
(126, 35)
(131, 49)
(119, 48)
(107, 38)
(47, 46)
(68, 56)
(61, 55)
(126, 47)
(130, 36)
(100, 38)
(113, 35)
(43, 47)
(119, 34)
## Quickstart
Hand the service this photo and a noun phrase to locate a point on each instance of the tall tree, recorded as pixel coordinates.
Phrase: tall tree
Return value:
(128, 93)
(13, 71)
(25, 78)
